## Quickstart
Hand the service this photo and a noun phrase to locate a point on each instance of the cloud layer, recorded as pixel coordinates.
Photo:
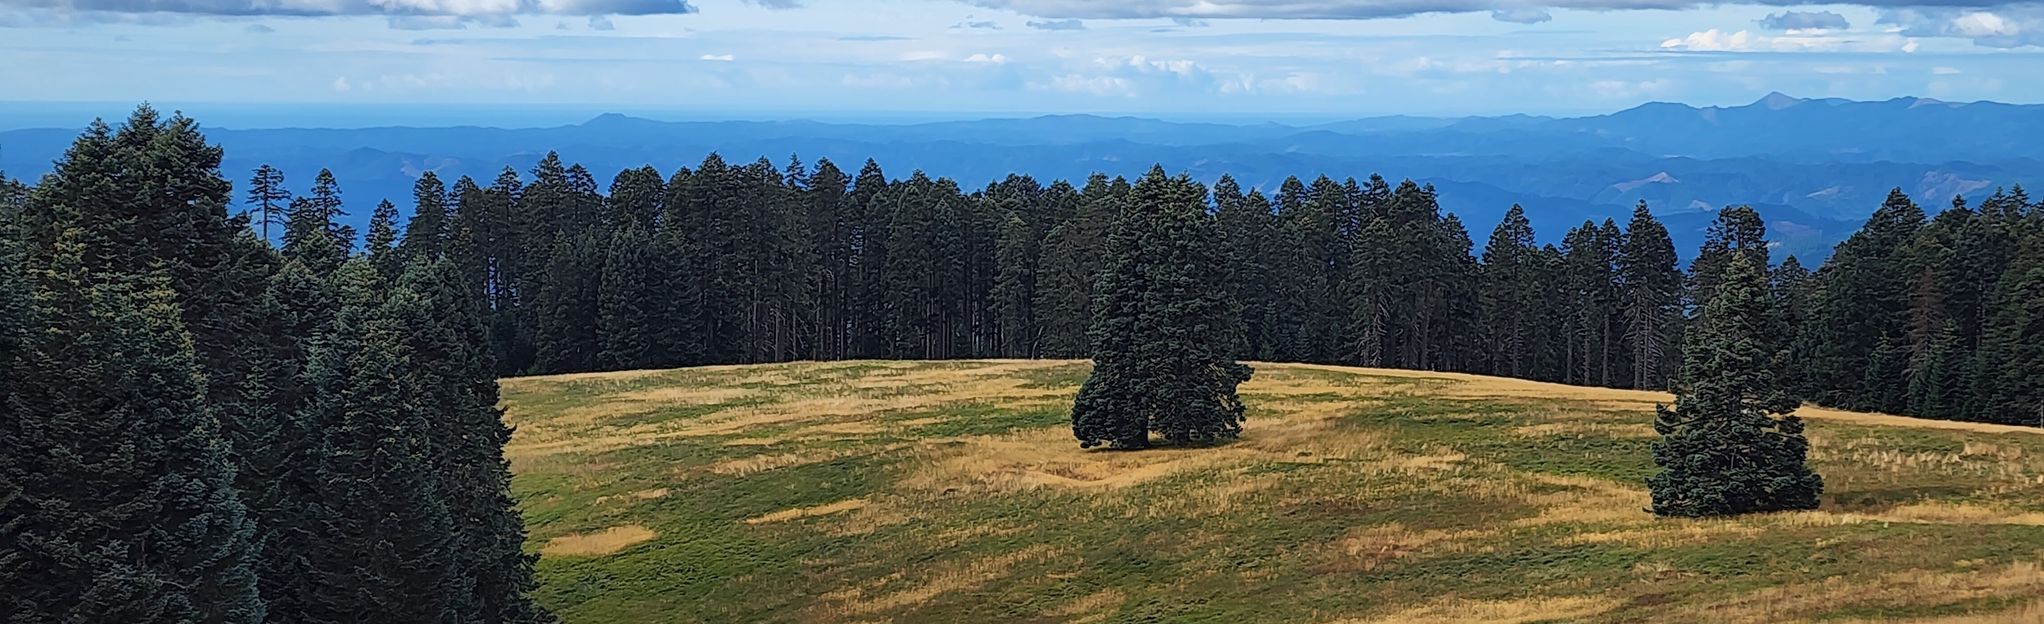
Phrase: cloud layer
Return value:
(1516, 11)
(1805, 20)
(394, 8)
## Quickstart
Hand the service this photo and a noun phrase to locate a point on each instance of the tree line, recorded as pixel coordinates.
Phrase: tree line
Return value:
(198, 426)
(724, 263)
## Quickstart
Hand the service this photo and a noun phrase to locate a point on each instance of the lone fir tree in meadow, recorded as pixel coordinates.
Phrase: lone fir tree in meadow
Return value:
(1163, 355)
(1730, 444)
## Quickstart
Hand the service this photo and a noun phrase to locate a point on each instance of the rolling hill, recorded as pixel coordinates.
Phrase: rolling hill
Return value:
(952, 491)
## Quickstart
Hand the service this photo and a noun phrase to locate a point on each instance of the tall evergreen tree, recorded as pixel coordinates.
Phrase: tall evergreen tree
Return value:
(1247, 232)
(124, 507)
(1863, 305)
(279, 477)
(2007, 387)
(1738, 230)
(1066, 279)
(490, 576)
(1157, 366)
(1015, 286)
(1795, 294)
(567, 307)
(628, 302)
(1510, 295)
(426, 234)
(267, 197)
(385, 546)
(1731, 444)
(381, 243)
(1651, 293)
(313, 233)
(1371, 295)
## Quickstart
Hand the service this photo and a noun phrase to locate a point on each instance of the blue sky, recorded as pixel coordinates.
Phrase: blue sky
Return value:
(1197, 58)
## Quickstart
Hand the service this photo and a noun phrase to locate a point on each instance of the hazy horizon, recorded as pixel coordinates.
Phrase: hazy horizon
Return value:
(18, 115)
(1313, 58)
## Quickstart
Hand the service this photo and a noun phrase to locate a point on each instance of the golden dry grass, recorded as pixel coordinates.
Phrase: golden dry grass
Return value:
(955, 511)
(1455, 611)
(1095, 607)
(952, 578)
(1804, 600)
(603, 542)
(808, 512)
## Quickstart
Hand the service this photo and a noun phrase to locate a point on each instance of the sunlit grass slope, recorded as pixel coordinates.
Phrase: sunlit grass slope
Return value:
(953, 492)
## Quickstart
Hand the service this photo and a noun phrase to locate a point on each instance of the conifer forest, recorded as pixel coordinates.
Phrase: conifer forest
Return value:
(218, 404)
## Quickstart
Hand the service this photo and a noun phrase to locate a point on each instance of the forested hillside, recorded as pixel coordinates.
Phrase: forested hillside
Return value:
(196, 426)
(744, 263)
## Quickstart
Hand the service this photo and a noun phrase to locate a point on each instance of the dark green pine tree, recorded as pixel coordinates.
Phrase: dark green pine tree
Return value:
(1862, 316)
(313, 233)
(123, 507)
(1014, 290)
(150, 196)
(637, 197)
(568, 306)
(1247, 231)
(496, 219)
(1548, 341)
(629, 304)
(1587, 285)
(1458, 333)
(381, 243)
(1650, 293)
(17, 325)
(446, 349)
(267, 198)
(1317, 223)
(426, 234)
(829, 229)
(279, 484)
(1731, 444)
(1795, 295)
(2007, 386)
(1510, 295)
(1425, 278)
(1066, 278)
(1157, 364)
(1936, 364)
(866, 219)
(1371, 294)
(1738, 230)
(384, 547)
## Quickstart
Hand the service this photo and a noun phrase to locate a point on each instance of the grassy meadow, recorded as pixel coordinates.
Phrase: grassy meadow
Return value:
(954, 492)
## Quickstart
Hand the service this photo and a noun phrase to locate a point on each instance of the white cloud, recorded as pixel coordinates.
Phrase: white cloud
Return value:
(1093, 85)
(2010, 26)
(719, 58)
(997, 59)
(1713, 40)
(1521, 15)
(1805, 21)
(393, 8)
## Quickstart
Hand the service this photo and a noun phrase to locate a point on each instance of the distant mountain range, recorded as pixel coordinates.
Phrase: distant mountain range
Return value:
(1814, 167)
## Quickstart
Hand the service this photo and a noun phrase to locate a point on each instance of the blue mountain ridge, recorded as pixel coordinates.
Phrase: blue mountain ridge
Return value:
(1814, 167)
